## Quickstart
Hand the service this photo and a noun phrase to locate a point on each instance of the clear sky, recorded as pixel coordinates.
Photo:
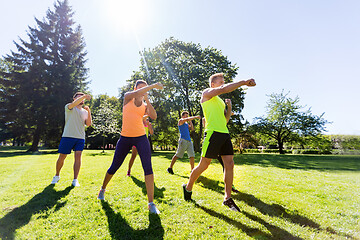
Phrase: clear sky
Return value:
(310, 48)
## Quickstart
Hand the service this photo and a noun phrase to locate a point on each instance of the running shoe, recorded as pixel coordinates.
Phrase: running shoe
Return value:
(152, 208)
(187, 194)
(75, 183)
(101, 195)
(231, 204)
(55, 179)
(128, 174)
(169, 170)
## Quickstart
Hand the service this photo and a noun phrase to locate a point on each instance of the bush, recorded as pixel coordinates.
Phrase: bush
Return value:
(250, 150)
(275, 151)
(345, 152)
(310, 151)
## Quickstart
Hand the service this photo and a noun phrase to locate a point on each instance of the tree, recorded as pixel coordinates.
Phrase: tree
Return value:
(245, 139)
(286, 122)
(184, 69)
(105, 121)
(45, 72)
(345, 142)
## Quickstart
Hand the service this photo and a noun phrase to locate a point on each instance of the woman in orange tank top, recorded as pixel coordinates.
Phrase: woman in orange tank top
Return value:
(133, 134)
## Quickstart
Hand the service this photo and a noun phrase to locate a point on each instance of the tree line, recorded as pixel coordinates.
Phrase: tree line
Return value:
(40, 78)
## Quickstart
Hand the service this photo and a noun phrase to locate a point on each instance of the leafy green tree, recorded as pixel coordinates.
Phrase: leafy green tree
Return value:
(320, 143)
(245, 140)
(105, 121)
(184, 69)
(286, 121)
(345, 142)
(45, 72)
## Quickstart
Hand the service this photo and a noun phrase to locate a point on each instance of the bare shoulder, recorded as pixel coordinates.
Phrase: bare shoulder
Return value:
(69, 106)
(127, 97)
(206, 95)
(206, 91)
(180, 122)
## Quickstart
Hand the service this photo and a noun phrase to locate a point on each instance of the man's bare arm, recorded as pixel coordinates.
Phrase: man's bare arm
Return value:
(226, 88)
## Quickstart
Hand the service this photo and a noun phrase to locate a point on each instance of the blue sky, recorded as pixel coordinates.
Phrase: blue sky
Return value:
(309, 48)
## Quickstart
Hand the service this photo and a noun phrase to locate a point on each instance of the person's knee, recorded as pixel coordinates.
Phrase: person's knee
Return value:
(229, 164)
(204, 164)
(113, 168)
(77, 154)
(62, 157)
(148, 171)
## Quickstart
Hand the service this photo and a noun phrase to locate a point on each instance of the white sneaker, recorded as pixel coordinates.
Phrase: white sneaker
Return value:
(75, 183)
(55, 179)
(101, 195)
(152, 208)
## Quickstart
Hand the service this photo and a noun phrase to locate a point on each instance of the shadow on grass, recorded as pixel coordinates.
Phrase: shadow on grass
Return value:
(120, 229)
(306, 162)
(12, 153)
(158, 192)
(272, 210)
(275, 210)
(276, 232)
(168, 155)
(100, 153)
(41, 202)
(165, 154)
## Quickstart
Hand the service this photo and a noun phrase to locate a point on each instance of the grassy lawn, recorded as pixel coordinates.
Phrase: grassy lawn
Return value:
(281, 197)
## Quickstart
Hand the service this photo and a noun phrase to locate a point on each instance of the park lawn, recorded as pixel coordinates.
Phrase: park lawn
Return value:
(281, 197)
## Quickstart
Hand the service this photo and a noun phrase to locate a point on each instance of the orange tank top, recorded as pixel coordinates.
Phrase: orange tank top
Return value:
(132, 122)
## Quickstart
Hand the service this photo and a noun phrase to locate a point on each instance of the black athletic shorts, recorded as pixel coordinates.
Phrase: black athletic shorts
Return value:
(215, 144)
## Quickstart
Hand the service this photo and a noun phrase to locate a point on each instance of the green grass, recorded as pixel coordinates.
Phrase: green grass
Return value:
(281, 197)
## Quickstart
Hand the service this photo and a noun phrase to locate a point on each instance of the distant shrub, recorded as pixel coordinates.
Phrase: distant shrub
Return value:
(345, 152)
(275, 151)
(249, 150)
(310, 151)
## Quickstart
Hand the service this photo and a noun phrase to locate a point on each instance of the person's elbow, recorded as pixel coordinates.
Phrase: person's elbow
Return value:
(153, 116)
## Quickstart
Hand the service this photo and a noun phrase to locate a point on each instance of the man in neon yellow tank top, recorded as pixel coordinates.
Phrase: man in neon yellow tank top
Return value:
(217, 140)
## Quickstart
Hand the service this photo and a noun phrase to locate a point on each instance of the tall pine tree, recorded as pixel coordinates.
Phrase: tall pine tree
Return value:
(46, 71)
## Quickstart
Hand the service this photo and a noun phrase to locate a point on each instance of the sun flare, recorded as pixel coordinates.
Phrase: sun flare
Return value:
(125, 15)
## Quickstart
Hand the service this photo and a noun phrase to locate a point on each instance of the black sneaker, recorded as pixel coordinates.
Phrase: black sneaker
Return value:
(187, 194)
(169, 170)
(231, 204)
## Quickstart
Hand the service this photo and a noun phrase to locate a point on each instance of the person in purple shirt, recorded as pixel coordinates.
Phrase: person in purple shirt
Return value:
(185, 144)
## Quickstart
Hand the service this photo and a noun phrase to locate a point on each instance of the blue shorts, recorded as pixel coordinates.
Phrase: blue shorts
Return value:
(68, 143)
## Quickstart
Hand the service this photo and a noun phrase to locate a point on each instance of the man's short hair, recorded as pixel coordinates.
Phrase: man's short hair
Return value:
(139, 82)
(215, 76)
(183, 113)
(78, 94)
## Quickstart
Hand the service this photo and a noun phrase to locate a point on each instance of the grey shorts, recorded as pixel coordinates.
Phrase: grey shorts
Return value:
(185, 145)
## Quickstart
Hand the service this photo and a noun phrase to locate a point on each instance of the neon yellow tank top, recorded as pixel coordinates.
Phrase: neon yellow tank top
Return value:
(214, 115)
(147, 131)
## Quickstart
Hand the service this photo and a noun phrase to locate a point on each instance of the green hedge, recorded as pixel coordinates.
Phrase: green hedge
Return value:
(295, 151)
